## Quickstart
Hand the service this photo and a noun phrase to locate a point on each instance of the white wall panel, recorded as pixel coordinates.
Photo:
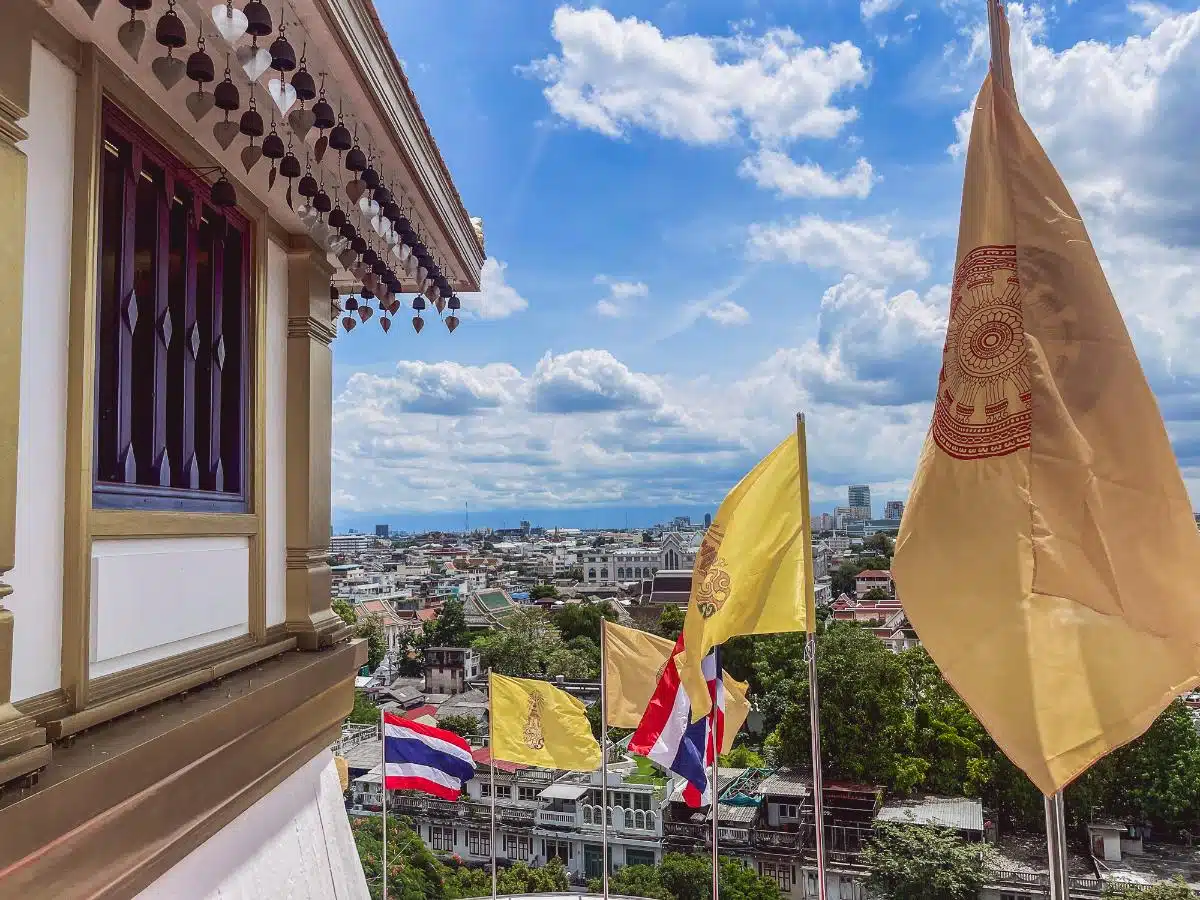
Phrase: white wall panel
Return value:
(276, 437)
(36, 601)
(159, 597)
(293, 844)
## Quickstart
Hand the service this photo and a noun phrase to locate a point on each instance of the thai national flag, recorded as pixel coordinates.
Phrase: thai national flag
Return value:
(668, 735)
(422, 758)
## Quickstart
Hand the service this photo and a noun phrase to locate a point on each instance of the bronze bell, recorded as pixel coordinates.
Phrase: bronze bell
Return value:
(252, 124)
(333, 292)
(392, 211)
(380, 267)
(418, 302)
(226, 96)
(272, 146)
(223, 193)
(137, 5)
(258, 19)
(337, 216)
(382, 196)
(308, 186)
(283, 55)
(356, 160)
(454, 302)
(200, 67)
(170, 31)
(303, 84)
(359, 244)
(289, 166)
(323, 117)
(339, 138)
(348, 231)
(370, 257)
(366, 294)
(351, 303)
(371, 179)
(321, 202)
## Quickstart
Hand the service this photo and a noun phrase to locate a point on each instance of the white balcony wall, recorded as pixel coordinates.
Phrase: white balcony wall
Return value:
(159, 597)
(37, 577)
(276, 436)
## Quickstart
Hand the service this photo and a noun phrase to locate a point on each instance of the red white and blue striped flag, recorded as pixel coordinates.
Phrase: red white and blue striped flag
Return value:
(669, 737)
(422, 758)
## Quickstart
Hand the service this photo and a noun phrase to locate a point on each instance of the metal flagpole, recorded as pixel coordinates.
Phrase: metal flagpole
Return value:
(714, 791)
(383, 784)
(1056, 846)
(810, 654)
(604, 754)
(492, 780)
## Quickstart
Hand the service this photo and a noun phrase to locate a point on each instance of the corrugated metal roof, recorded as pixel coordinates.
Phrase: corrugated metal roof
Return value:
(786, 784)
(564, 792)
(741, 814)
(959, 813)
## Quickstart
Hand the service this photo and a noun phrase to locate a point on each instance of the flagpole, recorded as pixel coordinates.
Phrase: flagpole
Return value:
(383, 784)
(810, 653)
(604, 755)
(492, 781)
(1056, 846)
(714, 791)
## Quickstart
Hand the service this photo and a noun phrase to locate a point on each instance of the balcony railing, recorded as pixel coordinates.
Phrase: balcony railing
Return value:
(546, 817)
(776, 840)
(1009, 877)
(686, 830)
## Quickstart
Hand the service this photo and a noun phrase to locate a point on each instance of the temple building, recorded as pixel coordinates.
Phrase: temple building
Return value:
(198, 198)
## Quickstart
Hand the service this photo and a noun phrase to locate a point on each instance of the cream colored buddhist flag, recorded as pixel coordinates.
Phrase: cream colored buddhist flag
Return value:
(633, 664)
(1047, 552)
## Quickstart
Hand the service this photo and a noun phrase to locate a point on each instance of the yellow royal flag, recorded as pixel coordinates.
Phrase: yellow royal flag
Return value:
(1047, 553)
(537, 724)
(633, 664)
(749, 574)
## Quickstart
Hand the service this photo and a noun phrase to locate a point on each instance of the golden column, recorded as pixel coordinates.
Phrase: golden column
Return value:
(309, 447)
(23, 747)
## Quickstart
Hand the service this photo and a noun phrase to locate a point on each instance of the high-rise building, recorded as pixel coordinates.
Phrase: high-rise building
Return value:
(707, 520)
(859, 497)
(383, 531)
(894, 509)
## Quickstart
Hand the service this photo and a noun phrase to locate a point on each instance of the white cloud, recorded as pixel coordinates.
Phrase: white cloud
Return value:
(859, 248)
(589, 381)
(615, 74)
(622, 296)
(496, 298)
(729, 313)
(777, 171)
(872, 8)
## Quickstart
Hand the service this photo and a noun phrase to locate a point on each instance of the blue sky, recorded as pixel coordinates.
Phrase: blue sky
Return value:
(702, 217)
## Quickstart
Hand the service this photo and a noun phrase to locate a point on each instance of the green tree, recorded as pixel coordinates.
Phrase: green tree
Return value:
(879, 544)
(371, 628)
(342, 607)
(1176, 889)
(742, 758)
(530, 646)
(686, 877)
(842, 580)
(413, 872)
(466, 726)
(740, 882)
(449, 629)
(583, 620)
(909, 862)
(365, 712)
(670, 622)
(522, 878)
(634, 881)
(876, 595)
(543, 592)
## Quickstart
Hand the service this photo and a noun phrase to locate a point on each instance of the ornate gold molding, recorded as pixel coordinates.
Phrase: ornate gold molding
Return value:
(23, 748)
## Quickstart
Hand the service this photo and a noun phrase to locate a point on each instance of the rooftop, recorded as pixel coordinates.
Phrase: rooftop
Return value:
(959, 813)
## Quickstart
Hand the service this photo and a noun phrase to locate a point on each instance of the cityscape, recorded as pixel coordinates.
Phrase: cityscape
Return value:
(623, 450)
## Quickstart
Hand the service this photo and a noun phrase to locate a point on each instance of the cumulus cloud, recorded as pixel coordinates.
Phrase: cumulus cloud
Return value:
(777, 171)
(589, 381)
(496, 298)
(614, 76)
(622, 296)
(727, 312)
(865, 249)
(869, 9)
(444, 388)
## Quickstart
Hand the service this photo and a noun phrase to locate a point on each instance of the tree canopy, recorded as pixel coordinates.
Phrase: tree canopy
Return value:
(909, 862)
(670, 622)
(466, 726)
(687, 877)
(449, 629)
(531, 646)
(1176, 889)
(576, 620)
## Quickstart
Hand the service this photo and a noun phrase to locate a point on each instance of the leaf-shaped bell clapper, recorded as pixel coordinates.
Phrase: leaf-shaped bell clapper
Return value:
(200, 68)
(451, 323)
(289, 166)
(356, 160)
(323, 204)
(346, 257)
(418, 324)
(365, 312)
(308, 186)
(439, 304)
(258, 19)
(226, 95)
(348, 323)
(223, 194)
(385, 323)
(432, 292)
(339, 138)
(422, 274)
(169, 31)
